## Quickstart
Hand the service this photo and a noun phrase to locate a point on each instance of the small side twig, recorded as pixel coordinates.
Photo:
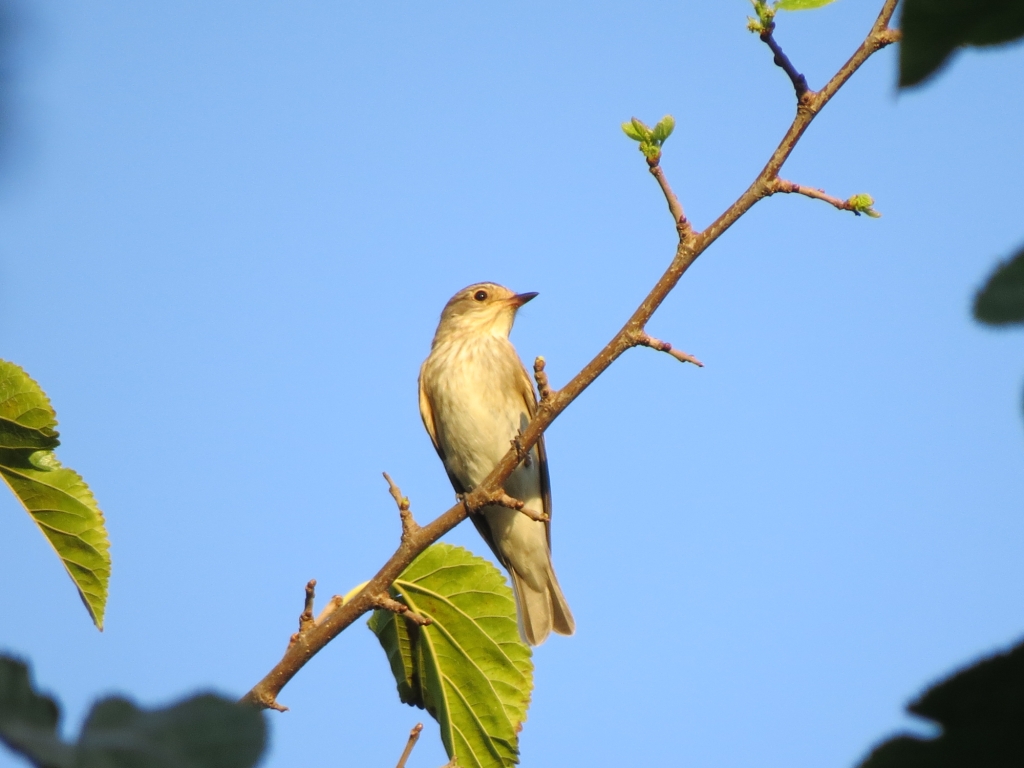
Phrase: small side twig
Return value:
(502, 499)
(857, 204)
(388, 603)
(645, 340)
(543, 386)
(414, 736)
(306, 617)
(683, 227)
(409, 525)
(782, 60)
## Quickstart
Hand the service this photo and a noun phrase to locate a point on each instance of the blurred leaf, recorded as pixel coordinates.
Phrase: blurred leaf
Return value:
(801, 5)
(981, 711)
(1001, 301)
(933, 29)
(28, 721)
(468, 668)
(57, 498)
(206, 731)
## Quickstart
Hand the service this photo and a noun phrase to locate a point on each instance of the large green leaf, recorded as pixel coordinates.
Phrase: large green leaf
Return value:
(933, 29)
(468, 668)
(205, 731)
(981, 711)
(801, 5)
(1001, 301)
(56, 497)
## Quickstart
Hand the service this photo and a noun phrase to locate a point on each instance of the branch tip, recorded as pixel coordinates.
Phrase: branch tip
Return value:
(645, 340)
(306, 617)
(409, 525)
(543, 385)
(414, 736)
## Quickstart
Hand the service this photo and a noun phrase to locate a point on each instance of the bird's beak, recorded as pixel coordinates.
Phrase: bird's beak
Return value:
(521, 298)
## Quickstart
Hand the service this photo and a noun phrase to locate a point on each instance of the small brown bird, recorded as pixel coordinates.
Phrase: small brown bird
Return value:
(475, 398)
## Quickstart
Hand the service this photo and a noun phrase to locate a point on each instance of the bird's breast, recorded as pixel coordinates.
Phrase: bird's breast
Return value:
(477, 404)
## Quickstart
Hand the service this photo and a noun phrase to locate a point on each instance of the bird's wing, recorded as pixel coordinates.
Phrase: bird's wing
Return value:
(525, 385)
(427, 414)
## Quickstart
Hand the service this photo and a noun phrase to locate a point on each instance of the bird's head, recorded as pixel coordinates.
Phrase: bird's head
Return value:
(481, 309)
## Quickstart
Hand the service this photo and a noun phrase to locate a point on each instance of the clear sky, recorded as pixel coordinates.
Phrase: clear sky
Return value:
(227, 230)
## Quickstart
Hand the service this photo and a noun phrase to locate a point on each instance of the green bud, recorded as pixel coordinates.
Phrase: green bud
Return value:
(629, 130)
(863, 203)
(664, 129)
(641, 128)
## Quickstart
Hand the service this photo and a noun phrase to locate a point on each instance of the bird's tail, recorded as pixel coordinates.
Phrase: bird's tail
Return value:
(541, 608)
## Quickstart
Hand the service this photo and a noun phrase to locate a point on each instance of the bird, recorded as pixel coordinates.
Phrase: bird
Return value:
(475, 399)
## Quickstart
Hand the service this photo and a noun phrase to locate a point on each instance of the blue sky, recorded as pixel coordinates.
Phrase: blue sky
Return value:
(226, 233)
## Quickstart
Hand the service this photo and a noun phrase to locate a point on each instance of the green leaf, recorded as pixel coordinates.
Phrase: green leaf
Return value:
(801, 5)
(664, 129)
(629, 130)
(641, 129)
(467, 668)
(933, 29)
(205, 731)
(981, 711)
(57, 498)
(1001, 301)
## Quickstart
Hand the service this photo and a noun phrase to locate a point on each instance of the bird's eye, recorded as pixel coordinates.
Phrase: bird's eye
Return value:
(480, 295)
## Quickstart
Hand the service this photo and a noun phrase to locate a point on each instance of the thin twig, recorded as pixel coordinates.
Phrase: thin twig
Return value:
(414, 736)
(690, 246)
(409, 525)
(306, 618)
(644, 340)
(782, 60)
(789, 187)
(501, 499)
(388, 603)
(683, 227)
(543, 385)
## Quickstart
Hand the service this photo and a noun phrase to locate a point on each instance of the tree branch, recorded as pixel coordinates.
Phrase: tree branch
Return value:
(691, 245)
